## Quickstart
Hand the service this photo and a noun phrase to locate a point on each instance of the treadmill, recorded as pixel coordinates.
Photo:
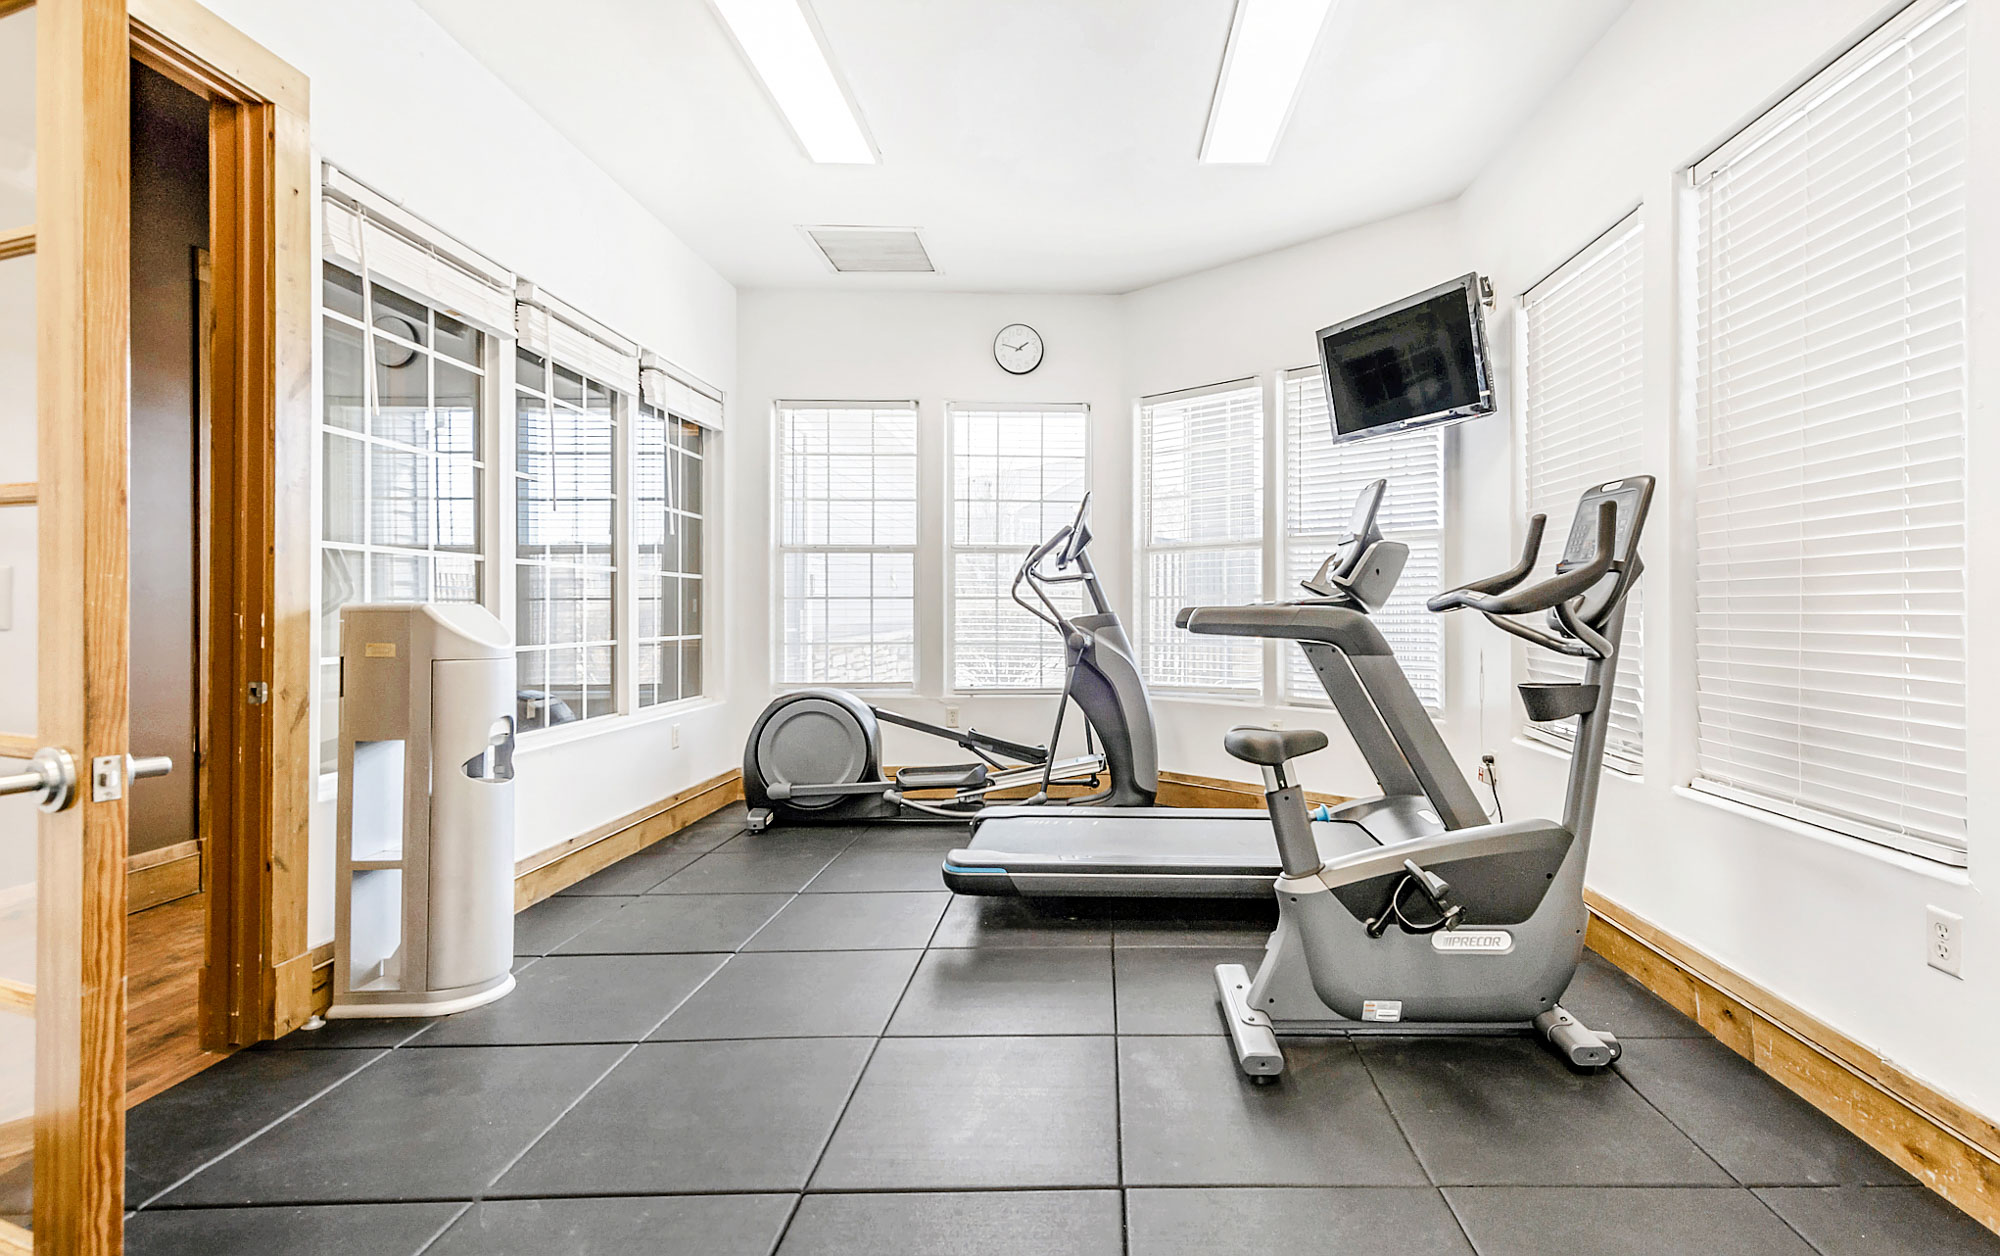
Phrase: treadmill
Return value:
(1220, 852)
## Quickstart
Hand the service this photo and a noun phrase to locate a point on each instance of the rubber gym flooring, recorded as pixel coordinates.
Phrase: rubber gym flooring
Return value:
(797, 1042)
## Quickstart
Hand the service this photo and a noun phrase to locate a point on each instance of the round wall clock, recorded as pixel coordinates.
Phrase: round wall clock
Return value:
(1018, 348)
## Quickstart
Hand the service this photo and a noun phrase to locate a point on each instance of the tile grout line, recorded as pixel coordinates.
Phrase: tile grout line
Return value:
(1118, 1105)
(1675, 1125)
(848, 1103)
(1782, 1219)
(446, 1228)
(382, 1054)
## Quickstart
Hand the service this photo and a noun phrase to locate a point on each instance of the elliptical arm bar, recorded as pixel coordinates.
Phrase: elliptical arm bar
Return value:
(969, 739)
(1546, 594)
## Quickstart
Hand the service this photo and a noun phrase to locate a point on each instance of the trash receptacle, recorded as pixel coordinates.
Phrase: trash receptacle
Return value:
(424, 889)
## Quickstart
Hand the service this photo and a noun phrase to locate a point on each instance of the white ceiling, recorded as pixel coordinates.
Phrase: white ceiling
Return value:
(1041, 145)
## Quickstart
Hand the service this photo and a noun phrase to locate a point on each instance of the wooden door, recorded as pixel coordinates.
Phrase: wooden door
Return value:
(63, 651)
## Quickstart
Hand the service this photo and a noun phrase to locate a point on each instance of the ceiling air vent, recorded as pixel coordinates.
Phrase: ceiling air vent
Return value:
(853, 250)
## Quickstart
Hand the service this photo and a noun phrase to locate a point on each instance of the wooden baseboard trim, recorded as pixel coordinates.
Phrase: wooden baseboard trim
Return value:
(1938, 1140)
(546, 872)
(160, 876)
(1184, 789)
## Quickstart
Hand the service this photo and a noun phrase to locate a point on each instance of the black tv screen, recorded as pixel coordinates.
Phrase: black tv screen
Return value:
(1417, 362)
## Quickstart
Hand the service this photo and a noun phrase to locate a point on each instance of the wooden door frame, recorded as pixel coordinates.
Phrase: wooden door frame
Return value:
(257, 775)
(82, 326)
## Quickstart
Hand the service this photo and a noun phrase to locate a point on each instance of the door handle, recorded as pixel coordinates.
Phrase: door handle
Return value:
(151, 765)
(51, 775)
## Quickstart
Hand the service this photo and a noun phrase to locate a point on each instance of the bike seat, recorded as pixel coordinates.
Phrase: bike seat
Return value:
(1272, 746)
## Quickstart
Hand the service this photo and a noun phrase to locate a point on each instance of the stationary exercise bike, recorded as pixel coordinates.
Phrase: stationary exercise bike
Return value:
(1472, 930)
(815, 755)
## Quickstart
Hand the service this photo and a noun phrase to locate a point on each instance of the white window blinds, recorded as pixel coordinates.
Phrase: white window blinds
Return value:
(1017, 475)
(1322, 480)
(368, 234)
(1830, 474)
(1585, 415)
(1201, 485)
(848, 542)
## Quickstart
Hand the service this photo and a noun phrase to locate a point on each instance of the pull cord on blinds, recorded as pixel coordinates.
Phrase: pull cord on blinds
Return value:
(1830, 463)
(1585, 420)
(369, 234)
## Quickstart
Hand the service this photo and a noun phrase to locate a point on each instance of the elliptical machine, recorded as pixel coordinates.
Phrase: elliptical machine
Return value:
(814, 756)
(1473, 930)
(1225, 852)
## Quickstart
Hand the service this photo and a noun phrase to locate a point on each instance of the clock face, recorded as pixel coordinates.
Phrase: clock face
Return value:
(1018, 348)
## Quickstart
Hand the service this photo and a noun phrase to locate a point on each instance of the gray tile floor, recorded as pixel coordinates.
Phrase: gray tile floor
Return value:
(797, 1043)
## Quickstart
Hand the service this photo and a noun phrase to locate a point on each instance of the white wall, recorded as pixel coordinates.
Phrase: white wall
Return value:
(401, 106)
(1833, 925)
(932, 349)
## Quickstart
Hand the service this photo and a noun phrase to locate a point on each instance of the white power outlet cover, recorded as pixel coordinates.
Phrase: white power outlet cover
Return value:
(951, 717)
(1944, 941)
(674, 737)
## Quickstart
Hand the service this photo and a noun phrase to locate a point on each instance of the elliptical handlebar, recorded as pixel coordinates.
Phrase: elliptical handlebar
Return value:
(1072, 540)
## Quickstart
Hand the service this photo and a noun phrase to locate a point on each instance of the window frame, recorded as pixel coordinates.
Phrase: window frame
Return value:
(494, 429)
(701, 456)
(623, 685)
(952, 548)
(1562, 736)
(1287, 536)
(1258, 693)
(1836, 72)
(781, 550)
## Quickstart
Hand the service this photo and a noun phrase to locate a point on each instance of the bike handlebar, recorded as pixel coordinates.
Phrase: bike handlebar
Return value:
(1491, 596)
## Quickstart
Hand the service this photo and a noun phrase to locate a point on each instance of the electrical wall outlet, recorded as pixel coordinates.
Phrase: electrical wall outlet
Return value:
(1944, 939)
(673, 737)
(951, 717)
(1279, 722)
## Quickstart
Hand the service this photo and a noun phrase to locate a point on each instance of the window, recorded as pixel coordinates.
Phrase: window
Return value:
(666, 525)
(1201, 489)
(1321, 482)
(402, 462)
(1017, 475)
(1585, 413)
(1830, 460)
(848, 543)
(565, 570)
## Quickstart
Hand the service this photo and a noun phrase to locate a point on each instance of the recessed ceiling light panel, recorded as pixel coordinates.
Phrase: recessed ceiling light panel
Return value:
(782, 44)
(1270, 43)
(876, 250)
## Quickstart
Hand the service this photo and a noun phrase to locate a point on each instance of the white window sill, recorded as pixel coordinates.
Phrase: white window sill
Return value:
(1900, 860)
(1251, 701)
(604, 725)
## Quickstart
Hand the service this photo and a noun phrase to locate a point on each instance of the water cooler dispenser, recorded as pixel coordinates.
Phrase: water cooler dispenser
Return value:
(424, 885)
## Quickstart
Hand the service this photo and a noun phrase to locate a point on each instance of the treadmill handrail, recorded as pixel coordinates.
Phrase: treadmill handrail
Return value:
(1347, 629)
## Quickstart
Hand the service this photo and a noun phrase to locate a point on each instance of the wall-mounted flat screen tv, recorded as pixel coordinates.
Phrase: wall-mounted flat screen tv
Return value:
(1414, 363)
